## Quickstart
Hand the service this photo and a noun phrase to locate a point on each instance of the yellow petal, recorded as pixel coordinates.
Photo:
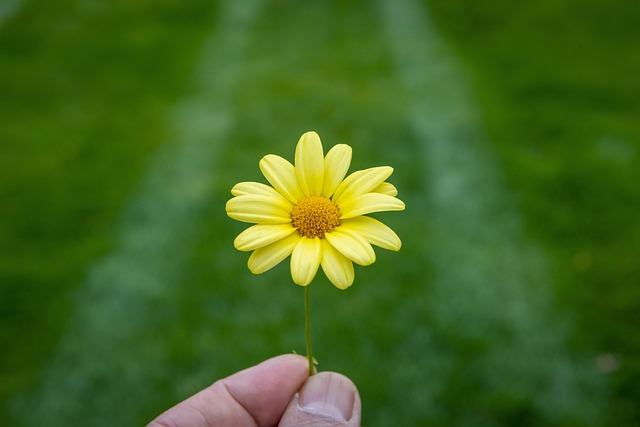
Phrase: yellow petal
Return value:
(269, 256)
(337, 267)
(282, 176)
(255, 188)
(305, 260)
(386, 188)
(368, 203)
(361, 182)
(259, 209)
(374, 231)
(310, 164)
(336, 165)
(261, 235)
(352, 245)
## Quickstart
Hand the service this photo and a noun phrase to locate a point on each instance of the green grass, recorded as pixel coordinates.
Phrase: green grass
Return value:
(558, 86)
(85, 93)
(93, 100)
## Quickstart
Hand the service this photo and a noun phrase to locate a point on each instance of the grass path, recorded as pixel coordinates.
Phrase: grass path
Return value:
(490, 280)
(110, 338)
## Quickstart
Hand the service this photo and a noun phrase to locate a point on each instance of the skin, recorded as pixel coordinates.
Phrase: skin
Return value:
(273, 393)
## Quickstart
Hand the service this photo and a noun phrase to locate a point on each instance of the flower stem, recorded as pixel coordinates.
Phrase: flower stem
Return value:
(307, 327)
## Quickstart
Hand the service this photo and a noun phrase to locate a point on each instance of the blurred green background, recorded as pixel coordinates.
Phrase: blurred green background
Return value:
(514, 132)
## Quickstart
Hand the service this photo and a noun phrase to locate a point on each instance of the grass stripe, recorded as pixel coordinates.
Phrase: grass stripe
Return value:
(491, 282)
(113, 343)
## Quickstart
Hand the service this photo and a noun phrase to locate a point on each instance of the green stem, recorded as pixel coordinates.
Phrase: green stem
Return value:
(307, 326)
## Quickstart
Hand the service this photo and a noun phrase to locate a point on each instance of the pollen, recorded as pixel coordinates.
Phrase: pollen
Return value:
(314, 216)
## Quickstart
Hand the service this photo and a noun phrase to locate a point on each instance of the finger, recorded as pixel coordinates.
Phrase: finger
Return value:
(327, 399)
(254, 397)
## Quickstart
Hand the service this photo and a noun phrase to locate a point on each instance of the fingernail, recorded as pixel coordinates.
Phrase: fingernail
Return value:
(328, 394)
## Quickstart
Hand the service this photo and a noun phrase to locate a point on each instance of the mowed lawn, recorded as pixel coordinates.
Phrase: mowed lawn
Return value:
(514, 134)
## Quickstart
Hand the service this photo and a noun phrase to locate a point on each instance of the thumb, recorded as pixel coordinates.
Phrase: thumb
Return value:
(327, 399)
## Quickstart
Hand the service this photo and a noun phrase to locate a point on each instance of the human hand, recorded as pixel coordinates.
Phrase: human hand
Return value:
(277, 392)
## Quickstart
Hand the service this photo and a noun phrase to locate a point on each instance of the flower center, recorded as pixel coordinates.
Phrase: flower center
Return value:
(315, 215)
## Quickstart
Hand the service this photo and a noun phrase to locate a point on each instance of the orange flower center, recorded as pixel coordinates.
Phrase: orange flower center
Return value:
(314, 216)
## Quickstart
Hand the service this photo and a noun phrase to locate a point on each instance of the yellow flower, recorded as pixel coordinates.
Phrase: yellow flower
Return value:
(315, 214)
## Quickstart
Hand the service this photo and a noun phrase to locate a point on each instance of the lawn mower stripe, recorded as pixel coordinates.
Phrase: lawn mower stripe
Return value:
(491, 282)
(113, 342)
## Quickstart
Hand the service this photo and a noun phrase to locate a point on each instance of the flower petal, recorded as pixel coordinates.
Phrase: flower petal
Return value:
(258, 236)
(336, 165)
(267, 257)
(386, 188)
(310, 164)
(259, 209)
(255, 188)
(337, 267)
(282, 176)
(361, 182)
(374, 231)
(368, 203)
(352, 245)
(305, 260)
